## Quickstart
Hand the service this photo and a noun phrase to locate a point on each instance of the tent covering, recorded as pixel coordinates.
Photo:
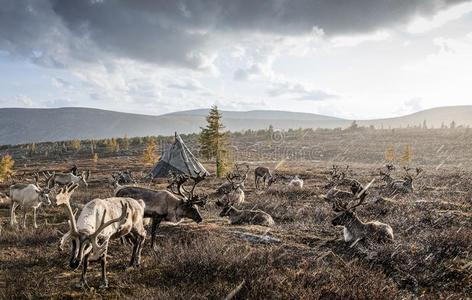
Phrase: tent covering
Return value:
(178, 159)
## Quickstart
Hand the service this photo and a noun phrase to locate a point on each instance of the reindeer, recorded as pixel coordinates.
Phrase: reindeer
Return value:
(171, 206)
(386, 174)
(336, 177)
(63, 179)
(264, 174)
(123, 177)
(339, 178)
(356, 230)
(296, 182)
(233, 191)
(406, 185)
(28, 196)
(99, 221)
(239, 217)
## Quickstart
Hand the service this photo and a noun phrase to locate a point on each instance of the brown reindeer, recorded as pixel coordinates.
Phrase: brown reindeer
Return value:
(232, 192)
(356, 230)
(404, 186)
(244, 216)
(263, 174)
(171, 206)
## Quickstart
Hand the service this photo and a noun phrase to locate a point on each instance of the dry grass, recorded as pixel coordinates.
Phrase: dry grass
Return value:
(429, 259)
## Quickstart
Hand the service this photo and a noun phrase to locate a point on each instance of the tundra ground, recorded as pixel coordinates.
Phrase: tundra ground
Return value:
(303, 258)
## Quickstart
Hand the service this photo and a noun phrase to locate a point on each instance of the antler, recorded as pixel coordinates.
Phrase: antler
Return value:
(418, 171)
(177, 180)
(361, 195)
(63, 198)
(36, 179)
(98, 250)
(196, 180)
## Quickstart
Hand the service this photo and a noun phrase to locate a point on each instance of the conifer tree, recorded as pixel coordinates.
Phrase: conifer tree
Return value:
(214, 141)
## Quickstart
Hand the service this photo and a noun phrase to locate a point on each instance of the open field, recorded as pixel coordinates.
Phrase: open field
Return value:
(307, 259)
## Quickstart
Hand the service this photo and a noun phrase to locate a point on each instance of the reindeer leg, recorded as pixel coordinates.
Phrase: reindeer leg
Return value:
(103, 263)
(12, 213)
(24, 217)
(155, 224)
(140, 242)
(83, 281)
(355, 242)
(134, 242)
(34, 218)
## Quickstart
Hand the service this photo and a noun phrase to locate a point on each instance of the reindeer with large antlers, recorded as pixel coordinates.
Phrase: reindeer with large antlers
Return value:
(338, 178)
(99, 221)
(406, 185)
(232, 192)
(386, 174)
(356, 230)
(171, 206)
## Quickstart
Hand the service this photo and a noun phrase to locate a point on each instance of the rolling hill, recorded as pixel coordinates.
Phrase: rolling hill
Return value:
(23, 125)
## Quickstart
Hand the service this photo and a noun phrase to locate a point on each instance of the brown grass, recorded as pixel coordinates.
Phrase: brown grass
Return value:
(429, 259)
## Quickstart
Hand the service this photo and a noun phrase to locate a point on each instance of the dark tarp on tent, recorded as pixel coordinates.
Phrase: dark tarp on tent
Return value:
(178, 159)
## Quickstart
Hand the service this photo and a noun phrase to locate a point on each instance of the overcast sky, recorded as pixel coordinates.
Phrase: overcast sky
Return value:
(356, 59)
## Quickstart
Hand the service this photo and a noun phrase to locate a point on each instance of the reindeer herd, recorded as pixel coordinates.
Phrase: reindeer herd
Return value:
(122, 216)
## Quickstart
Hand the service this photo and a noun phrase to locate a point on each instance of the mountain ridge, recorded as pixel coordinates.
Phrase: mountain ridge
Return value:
(27, 125)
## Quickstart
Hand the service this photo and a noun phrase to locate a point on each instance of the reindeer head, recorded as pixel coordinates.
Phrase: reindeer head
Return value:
(226, 209)
(240, 175)
(237, 178)
(272, 179)
(191, 201)
(43, 193)
(347, 212)
(336, 176)
(84, 243)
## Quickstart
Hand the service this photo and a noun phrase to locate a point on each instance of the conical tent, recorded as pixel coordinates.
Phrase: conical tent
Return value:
(178, 159)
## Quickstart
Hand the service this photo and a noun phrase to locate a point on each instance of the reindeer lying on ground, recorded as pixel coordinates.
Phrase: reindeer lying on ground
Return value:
(406, 185)
(244, 216)
(123, 177)
(99, 221)
(356, 230)
(162, 205)
(233, 190)
(263, 174)
(339, 178)
(63, 179)
(296, 182)
(386, 174)
(335, 176)
(27, 196)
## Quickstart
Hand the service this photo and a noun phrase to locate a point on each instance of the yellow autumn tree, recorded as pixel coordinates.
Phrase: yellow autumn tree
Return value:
(149, 155)
(390, 154)
(407, 155)
(126, 142)
(95, 158)
(6, 167)
(75, 145)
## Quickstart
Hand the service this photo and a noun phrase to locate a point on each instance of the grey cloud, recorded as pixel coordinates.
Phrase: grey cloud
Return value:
(183, 33)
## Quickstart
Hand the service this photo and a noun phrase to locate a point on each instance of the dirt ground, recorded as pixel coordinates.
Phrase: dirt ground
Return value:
(301, 257)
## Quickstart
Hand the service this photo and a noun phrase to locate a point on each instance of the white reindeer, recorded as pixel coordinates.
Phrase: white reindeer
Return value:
(296, 182)
(27, 196)
(98, 222)
(63, 179)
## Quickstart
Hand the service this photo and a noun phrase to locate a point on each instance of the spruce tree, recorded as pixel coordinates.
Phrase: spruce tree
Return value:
(214, 141)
